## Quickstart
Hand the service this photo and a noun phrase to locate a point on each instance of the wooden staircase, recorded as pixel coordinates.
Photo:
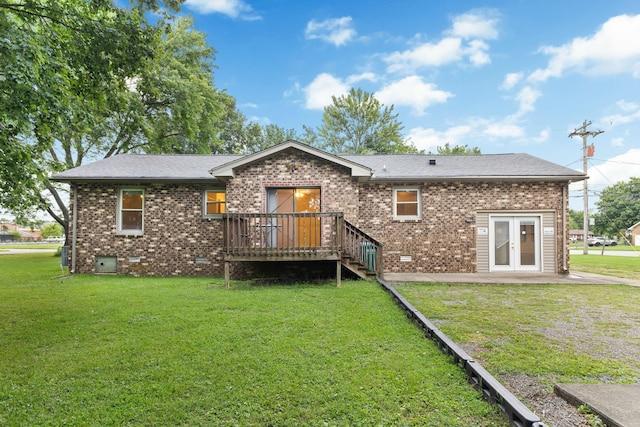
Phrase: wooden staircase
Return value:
(358, 268)
(361, 253)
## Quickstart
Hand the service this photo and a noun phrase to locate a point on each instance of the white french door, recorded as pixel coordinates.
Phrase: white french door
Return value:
(514, 243)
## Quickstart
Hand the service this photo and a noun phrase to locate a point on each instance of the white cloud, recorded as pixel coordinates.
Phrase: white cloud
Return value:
(232, 8)
(611, 50)
(627, 106)
(617, 142)
(510, 80)
(630, 113)
(412, 92)
(337, 31)
(543, 136)
(475, 25)
(615, 169)
(526, 99)
(465, 39)
(503, 129)
(445, 51)
(319, 92)
(355, 78)
(477, 53)
(429, 139)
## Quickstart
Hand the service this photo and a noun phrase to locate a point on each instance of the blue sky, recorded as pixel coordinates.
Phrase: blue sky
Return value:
(505, 76)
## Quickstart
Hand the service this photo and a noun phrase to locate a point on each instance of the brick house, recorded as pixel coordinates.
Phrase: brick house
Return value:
(634, 234)
(293, 206)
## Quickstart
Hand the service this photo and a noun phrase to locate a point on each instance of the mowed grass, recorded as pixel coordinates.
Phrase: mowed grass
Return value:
(554, 333)
(610, 265)
(109, 350)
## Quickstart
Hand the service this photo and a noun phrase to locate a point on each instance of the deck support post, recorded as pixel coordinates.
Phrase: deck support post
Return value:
(339, 273)
(226, 274)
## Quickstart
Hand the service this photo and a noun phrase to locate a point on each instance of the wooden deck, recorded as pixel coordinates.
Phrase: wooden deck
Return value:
(323, 236)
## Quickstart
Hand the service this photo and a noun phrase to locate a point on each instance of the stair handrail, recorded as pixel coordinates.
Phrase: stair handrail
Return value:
(362, 248)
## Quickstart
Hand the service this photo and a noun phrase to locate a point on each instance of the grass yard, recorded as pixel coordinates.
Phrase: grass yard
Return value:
(555, 333)
(39, 245)
(109, 350)
(617, 266)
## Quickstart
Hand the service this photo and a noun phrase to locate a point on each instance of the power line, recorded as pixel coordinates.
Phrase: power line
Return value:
(584, 133)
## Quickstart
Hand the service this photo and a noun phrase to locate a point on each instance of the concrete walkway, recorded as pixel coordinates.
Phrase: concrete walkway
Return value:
(618, 405)
(577, 278)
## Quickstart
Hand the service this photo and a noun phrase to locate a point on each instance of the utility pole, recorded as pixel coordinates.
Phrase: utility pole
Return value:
(584, 133)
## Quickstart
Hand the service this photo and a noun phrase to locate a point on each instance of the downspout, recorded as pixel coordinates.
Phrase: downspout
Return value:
(564, 228)
(74, 240)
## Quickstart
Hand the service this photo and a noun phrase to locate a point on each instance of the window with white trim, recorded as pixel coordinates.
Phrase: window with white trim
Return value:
(131, 211)
(215, 202)
(406, 203)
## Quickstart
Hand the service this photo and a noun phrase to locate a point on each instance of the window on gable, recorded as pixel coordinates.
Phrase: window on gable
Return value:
(406, 203)
(215, 202)
(131, 211)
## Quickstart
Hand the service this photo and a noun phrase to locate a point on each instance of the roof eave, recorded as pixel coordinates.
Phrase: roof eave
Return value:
(115, 180)
(493, 178)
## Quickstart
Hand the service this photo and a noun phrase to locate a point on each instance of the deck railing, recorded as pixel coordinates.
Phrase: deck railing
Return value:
(283, 234)
(299, 236)
(362, 248)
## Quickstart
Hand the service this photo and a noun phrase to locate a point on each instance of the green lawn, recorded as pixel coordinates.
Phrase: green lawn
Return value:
(553, 333)
(616, 248)
(109, 350)
(611, 265)
(52, 246)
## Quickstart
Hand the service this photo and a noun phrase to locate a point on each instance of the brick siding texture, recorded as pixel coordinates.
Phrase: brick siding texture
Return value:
(442, 241)
(176, 232)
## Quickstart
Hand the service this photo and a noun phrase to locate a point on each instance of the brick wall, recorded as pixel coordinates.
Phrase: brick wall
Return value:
(442, 241)
(246, 192)
(176, 233)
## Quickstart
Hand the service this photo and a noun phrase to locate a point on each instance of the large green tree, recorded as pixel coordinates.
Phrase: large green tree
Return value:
(241, 136)
(94, 82)
(618, 207)
(576, 219)
(357, 123)
(61, 60)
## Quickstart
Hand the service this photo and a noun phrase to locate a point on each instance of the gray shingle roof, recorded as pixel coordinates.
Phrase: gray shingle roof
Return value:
(195, 168)
(152, 167)
(486, 166)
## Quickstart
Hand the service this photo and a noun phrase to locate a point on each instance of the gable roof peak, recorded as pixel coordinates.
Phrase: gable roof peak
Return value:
(227, 170)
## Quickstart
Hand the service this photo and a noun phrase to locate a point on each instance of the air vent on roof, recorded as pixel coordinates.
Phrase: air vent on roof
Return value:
(432, 162)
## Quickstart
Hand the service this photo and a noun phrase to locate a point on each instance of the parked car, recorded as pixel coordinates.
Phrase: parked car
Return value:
(600, 241)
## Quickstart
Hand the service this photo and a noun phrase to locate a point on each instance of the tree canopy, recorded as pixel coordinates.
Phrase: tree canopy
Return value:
(458, 149)
(87, 80)
(618, 207)
(357, 123)
(62, 61)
